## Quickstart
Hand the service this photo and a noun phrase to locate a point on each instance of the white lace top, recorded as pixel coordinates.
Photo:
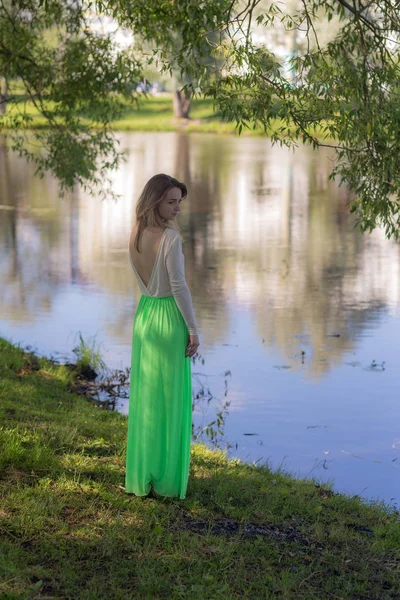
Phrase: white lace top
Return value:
(168, 277)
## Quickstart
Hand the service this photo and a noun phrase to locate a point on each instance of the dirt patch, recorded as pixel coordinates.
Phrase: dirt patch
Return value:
(230, 527)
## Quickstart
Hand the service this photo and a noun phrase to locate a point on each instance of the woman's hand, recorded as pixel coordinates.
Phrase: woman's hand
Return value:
(192, 345)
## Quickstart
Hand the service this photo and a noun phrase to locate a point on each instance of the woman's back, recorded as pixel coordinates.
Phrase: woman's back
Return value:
(159, 268)
(149, 245)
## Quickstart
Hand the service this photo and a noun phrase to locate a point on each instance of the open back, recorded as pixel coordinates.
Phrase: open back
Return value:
(145, 261)
(160, 270)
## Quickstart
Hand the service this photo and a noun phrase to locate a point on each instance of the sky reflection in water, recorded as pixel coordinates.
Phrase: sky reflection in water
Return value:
(276, 269)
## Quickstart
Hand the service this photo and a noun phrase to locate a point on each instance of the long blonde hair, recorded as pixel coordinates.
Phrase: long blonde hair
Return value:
(152, 195)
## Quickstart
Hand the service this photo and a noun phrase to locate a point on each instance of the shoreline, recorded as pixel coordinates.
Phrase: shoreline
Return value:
(68, 529)
(155, 113)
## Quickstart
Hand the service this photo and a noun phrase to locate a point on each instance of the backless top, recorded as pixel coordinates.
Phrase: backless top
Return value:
(168, 277)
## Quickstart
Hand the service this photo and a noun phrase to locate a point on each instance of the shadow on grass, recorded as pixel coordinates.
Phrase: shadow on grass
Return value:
(69, 530)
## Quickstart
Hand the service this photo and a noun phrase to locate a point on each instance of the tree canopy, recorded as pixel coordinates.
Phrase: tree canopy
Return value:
(334, 84)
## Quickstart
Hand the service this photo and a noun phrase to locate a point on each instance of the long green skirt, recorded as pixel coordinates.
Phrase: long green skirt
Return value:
(160, 401)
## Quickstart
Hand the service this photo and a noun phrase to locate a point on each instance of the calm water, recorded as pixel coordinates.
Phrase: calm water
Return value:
(290, 299)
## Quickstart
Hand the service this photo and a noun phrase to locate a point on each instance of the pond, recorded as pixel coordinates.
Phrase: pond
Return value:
(298, 312)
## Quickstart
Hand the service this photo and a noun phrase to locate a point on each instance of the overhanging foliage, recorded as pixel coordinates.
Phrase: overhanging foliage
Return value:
(338, 80)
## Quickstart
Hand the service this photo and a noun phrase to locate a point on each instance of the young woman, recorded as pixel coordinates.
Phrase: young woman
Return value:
(164, 339)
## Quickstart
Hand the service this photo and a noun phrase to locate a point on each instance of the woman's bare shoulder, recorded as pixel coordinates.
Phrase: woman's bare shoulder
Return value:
(170, 232)
(135, 228)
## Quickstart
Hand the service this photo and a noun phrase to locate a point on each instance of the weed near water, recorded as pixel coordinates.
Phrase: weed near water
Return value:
(88, 356)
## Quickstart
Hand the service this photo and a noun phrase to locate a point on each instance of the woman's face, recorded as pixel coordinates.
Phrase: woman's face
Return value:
(170, 206)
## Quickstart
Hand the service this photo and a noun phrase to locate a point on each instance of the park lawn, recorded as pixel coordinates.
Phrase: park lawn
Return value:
(155, 113)
(69, 530)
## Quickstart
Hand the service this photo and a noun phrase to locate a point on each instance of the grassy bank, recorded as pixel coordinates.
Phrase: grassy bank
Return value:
(155, 113)
(68, 529)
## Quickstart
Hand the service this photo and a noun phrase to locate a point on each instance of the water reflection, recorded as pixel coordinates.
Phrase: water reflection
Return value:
(264, 229)
(276, 269)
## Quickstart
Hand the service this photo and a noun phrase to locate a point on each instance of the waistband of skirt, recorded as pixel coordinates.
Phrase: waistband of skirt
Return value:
(146, 298)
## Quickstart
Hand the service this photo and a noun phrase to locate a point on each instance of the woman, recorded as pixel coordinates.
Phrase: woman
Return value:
(164, 340)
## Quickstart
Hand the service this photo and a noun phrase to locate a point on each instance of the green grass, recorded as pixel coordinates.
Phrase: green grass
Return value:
(155, 113)
(88, 356)
(68, 530)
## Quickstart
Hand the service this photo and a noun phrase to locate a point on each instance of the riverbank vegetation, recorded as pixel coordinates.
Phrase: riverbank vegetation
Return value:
(69, 530)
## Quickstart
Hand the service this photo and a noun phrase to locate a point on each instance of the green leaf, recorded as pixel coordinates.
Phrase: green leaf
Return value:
(37, 585)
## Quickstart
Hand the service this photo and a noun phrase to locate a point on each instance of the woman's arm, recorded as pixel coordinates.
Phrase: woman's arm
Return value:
(175, 264)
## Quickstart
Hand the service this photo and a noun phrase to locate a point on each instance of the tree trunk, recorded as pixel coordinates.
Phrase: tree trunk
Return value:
(3, 95)
(181, 104)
